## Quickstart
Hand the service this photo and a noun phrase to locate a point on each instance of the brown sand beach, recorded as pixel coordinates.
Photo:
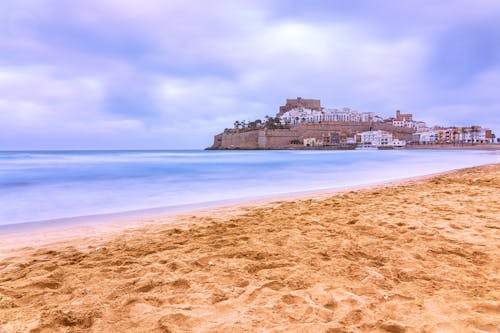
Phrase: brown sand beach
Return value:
(420, 256)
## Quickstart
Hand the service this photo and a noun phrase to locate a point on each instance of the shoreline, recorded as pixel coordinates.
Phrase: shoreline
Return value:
(484, 146)
(44, 202)
(109, 225)
(155, 212)
(406, 256)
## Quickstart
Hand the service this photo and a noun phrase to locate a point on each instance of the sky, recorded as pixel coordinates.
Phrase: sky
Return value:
(152, 74)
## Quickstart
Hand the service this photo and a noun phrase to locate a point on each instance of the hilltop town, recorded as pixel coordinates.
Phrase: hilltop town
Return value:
(305, 124)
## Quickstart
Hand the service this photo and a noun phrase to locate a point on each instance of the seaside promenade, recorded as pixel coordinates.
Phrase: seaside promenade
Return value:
(418, 256)
(484, 146)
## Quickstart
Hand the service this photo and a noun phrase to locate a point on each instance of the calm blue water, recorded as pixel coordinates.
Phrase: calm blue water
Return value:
(37, 186)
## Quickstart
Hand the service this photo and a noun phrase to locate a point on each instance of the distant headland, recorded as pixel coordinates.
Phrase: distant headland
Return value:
(305, 124)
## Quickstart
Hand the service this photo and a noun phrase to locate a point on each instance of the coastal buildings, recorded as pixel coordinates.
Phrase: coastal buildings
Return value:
(305, 115)
(405, 120)
(309, 142)
(303, 123)
(454, 135)
(379, 139)
(346, 114)
(375, 138)
(300, 103)
(297, 116)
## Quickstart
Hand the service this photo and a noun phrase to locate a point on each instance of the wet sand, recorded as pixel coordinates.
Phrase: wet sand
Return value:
(421, 256)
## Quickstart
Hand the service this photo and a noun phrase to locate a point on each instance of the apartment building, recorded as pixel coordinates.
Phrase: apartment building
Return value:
(455, 135)
(304, 115)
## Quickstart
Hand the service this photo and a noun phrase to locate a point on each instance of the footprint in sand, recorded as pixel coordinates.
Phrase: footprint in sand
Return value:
(177, 322)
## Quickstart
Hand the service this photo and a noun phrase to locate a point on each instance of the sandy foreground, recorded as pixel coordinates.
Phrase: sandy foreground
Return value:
(422, 256)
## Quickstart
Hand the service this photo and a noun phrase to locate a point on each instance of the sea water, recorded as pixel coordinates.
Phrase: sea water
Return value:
(47, 185)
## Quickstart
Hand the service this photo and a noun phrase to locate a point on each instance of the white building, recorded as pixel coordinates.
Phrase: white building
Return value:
(428, 137)
(398, 143)
(417, 125)
(378, 139)
(406, 120)
(297, 116)
(456, 135)
(310, 142)
(474, 134)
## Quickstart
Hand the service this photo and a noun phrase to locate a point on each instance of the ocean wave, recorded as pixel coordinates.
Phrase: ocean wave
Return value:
(50, 185)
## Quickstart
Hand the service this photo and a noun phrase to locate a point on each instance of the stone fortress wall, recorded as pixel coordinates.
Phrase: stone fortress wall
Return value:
(284, 138)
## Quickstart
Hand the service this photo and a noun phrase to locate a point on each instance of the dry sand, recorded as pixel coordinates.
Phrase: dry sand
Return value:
(423, 256)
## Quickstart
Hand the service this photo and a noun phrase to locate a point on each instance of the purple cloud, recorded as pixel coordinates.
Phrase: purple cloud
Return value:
(170, 74)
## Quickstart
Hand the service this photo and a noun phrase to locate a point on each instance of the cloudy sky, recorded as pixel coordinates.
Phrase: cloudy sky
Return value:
(115, 74)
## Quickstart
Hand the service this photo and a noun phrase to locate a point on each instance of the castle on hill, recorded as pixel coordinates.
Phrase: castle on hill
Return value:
(304, 123)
